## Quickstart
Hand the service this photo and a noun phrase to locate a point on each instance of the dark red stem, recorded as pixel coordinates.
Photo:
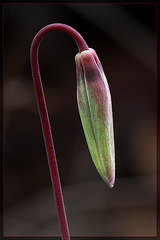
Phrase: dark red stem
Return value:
(45, 119)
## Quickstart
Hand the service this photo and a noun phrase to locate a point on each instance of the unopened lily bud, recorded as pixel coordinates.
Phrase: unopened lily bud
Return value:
(95, 108)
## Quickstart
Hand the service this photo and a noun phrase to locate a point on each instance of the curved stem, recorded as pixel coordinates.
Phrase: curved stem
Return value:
(45, 119)
(82, 45)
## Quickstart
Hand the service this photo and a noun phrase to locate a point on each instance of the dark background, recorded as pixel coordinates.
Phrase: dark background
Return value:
(124, 37)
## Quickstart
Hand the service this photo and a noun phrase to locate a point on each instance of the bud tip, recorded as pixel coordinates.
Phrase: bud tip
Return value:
(111, 182)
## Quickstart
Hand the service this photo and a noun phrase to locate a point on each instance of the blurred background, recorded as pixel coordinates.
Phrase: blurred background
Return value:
(124, 37)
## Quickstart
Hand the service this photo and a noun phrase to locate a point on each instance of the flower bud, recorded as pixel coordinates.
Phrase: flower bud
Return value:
(95, 108)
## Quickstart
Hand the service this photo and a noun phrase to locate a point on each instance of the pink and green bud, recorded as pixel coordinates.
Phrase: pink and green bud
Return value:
(95, 108)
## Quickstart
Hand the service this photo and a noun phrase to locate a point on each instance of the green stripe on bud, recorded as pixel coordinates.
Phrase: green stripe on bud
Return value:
(95, 108)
